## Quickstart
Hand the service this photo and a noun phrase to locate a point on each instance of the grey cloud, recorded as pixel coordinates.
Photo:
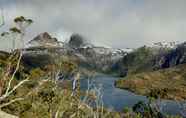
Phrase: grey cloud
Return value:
(116, 23)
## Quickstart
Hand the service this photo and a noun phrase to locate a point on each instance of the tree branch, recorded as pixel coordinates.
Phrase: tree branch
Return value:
(2, 16)
(13, 76)
(12, 101)
(17, 86)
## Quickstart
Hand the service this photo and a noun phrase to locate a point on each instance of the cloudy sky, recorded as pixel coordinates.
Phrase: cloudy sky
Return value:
(113, 23)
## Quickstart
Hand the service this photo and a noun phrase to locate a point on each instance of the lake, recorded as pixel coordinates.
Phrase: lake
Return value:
(117, 99)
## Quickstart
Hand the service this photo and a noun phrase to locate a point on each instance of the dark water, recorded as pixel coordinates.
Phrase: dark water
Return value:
(117, 99)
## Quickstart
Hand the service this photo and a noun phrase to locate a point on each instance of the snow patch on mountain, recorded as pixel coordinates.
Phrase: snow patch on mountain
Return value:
(164, 44)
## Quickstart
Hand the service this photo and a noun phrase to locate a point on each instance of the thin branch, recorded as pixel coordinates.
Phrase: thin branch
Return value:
(13, 76)
(56, 114)
(17, 86)
(10, 90)
(12, 101)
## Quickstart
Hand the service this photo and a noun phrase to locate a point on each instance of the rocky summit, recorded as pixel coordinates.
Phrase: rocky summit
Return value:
(45, 40)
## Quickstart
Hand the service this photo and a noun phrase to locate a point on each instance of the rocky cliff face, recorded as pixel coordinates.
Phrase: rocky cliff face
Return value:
(150, 59)
(45, 40)
(100, 61)
(77, 41)
(173, 57)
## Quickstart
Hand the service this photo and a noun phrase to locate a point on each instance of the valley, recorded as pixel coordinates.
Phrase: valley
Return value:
(79, 79)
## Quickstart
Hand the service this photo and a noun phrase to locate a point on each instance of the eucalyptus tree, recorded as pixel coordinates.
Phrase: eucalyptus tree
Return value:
(14, 60)
(22, 24)
(16, 34)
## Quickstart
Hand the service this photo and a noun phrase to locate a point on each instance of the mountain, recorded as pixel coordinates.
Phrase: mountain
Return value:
(139, 60)
(151, 58)
(122, 61)
(78, 41)
(175, 56)
(78, 48)
(100, 58)
(45, 40)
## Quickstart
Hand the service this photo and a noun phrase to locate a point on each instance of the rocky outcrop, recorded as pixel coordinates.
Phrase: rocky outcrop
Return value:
(172, 58)
(45, 40)
(77, 41)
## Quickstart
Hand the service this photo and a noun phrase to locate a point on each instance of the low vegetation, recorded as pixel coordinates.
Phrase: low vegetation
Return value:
(166, 83)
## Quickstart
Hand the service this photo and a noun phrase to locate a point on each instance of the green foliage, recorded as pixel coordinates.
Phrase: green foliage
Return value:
(15, 30)
(48, 99)
(19, 19)
(165, 83)
(67, 67)
(4, 33)
(36, 73)
(156, 93)
(139, 60)
(126, 110)
(22, 19)
(145, 110)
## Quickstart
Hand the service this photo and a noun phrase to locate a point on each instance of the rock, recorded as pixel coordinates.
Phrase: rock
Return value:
(45, 40)
(173, 57)
(77, 41)
(6, 115)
